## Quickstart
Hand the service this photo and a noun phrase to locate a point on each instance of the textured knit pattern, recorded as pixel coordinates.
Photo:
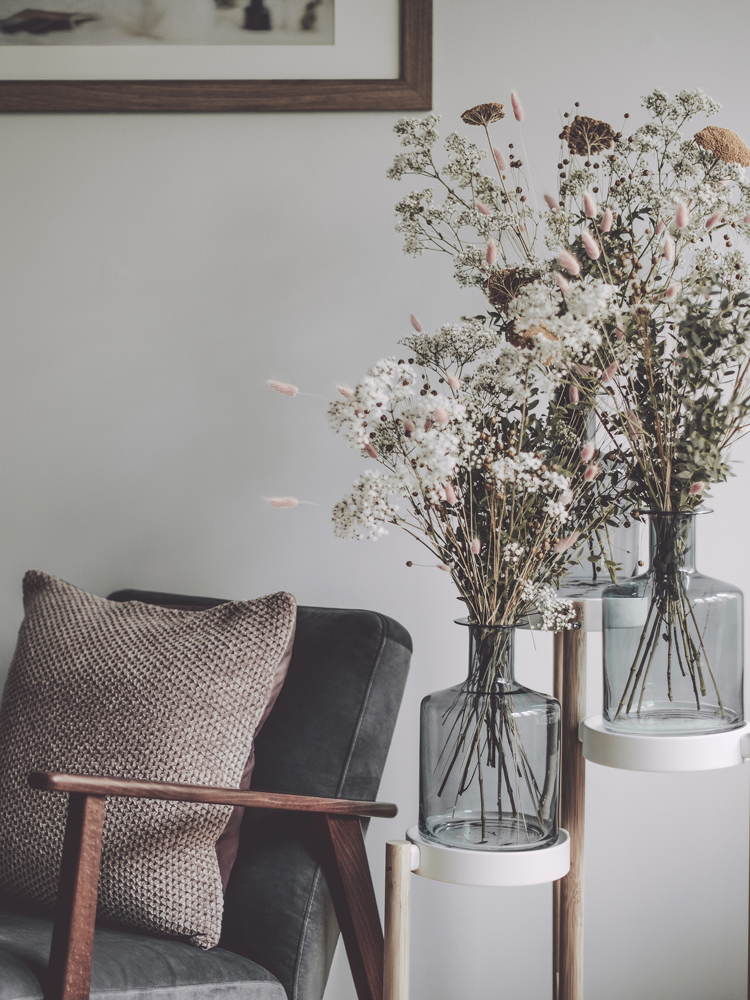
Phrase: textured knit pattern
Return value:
(133, 691)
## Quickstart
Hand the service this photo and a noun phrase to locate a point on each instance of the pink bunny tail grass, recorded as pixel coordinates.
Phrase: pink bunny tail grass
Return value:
(450, 494)
(370, 450)
(591, 473)
(415, 323)
(408, 427)
(634, 424)
(587, 452)
(696, 488)
(682, 216)
(345, 391)
(660, 227)
(712, 220)
(746, 219)
(491, 255)
(566, 497)
(476, 546)
(283, 501)
(551, 203)
(573, 394)
(482, 208)
(591, 246)
(454, 382)
(668, 248)
(285, 388)
(569, 262)
(562, 282)
(441, 416)
(563, 544)
(499, 159)
(607, 219)
(589, 205)
(620, 334)
(671, 292)
(515, 101)
(609, 373)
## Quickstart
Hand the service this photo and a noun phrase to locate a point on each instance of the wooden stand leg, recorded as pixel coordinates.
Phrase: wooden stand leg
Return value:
(397, 899)
(567, 914)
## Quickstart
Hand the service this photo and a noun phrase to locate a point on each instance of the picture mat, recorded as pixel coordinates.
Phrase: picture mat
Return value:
(366, 48)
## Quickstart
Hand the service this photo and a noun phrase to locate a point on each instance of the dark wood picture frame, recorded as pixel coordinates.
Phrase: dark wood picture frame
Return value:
(412, 91)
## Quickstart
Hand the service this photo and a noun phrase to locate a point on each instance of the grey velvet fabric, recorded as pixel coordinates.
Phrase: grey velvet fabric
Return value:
(328, 735)
(131, 966)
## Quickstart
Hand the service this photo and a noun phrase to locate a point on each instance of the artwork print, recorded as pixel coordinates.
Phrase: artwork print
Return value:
(167, 22)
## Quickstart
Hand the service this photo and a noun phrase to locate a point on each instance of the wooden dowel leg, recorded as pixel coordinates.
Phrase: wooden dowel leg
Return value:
(69, 975)
(397, 900)
(570, 690)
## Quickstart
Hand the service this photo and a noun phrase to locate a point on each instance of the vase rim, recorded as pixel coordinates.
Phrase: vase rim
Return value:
(677, 513)
(471, 624)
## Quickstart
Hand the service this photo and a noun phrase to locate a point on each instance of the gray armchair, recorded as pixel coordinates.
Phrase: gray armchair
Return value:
(301, 872)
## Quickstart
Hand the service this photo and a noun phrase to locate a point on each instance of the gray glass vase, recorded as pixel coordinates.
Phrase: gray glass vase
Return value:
(489, 755)
(673, 642)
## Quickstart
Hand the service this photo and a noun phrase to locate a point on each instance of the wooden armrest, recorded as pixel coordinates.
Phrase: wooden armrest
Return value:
(83, 784)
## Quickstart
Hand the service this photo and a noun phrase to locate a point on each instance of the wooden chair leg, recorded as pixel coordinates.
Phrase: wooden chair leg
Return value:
(350, 882)
(570, 690)
(69, 976)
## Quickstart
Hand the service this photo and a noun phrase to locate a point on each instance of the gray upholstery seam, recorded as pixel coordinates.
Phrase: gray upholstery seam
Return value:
(303, 932)
(373, 670)
(185, 986)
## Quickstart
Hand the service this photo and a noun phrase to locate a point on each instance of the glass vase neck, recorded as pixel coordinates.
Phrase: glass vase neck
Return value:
(673, 540)
(491, 655)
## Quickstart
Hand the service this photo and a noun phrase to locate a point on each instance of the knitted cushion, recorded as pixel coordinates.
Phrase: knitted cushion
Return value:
(135, 691)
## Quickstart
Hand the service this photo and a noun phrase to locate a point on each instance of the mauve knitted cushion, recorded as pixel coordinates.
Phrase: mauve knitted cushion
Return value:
(134, 691)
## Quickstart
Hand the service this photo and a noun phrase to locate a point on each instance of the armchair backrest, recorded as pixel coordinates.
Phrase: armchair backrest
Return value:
(328, 735)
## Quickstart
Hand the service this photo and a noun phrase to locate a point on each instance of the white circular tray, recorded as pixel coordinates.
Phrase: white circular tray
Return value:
(465, 867)
(631, 752)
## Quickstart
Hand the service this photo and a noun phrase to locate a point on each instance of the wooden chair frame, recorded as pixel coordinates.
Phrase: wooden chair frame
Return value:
(338, 822)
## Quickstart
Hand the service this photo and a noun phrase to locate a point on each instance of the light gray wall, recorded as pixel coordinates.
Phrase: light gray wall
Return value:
(155, 270)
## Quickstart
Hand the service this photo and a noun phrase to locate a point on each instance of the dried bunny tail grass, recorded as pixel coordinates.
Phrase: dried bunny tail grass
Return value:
(586, 136)
(724, 144)
(484, 114)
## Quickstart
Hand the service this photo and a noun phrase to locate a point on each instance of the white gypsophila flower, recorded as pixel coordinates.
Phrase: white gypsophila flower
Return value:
(590, 301)
(363, 512)
(454, 344)
(436, 447)
(558, 229)
(527, 471)
(513, 553)
(556, 613)
(498, 375)
(462, 166)
(686, 104)
(470, 267)
(388, 384)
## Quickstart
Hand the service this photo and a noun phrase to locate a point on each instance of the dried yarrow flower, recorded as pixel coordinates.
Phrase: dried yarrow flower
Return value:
(724, 144)
(483, 114)
(504, 285)
(586, 136)
(526, 338)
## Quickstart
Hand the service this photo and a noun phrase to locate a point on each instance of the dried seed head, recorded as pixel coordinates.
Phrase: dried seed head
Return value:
(724, 144)
(484, 114)
(505, 284)
(586, 136)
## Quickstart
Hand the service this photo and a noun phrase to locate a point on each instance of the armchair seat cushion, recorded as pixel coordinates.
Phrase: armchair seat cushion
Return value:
(131, 966)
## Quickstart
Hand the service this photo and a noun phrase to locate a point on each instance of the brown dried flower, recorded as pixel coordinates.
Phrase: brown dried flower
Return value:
(526, 338)
(724, 144)
(483, 114)
(586, 136)
(503, 285)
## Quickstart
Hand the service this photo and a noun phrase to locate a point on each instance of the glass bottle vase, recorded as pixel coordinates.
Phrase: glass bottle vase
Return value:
(673, 642)
(489, 755)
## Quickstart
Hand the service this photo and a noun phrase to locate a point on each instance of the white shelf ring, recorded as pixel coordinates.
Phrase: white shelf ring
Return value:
(633, 752)
(494, 868)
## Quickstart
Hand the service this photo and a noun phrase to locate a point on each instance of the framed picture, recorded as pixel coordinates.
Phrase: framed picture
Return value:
(215, 55)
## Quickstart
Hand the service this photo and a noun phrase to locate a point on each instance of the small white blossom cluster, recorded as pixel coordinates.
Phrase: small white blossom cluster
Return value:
(454, 344)
(556, 612)
(527, 472)
(387, 384)
(571, 319)
(362, 513)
